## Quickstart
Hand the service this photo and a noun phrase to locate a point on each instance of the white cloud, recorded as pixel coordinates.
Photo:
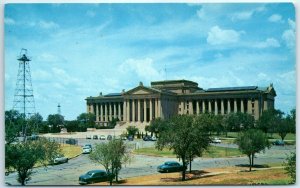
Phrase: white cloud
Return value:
(288, 35)
(9, 21)
(143, 68)
(48, 25)
(246, 15)
(275, 18)
(218, 36)
(91, 13)
(269, 42)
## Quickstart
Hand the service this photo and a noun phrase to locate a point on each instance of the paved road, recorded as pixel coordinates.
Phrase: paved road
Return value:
(68, 173)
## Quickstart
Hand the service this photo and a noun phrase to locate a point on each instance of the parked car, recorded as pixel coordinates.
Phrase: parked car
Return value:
(102, 137)
(88, 137)
(130, 138)
(278, 143)
(86, 149)
(88, 145)
(109, 137)
(153, 138)
(33, 137)
(216, 141)
(71, 141)
(170, 166)
(93, 176)
(147, 138)
(123, 138)
(60, 159)
(95, 137)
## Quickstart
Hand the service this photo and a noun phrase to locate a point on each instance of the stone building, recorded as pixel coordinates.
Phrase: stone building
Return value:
(167, 98)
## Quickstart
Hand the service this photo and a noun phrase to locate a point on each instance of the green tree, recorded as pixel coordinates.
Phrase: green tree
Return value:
(156, 126)
(72, 126)
(284, 126)
(132, 130)
(34, 123)
(290, 166)
(269, 120)
(86, 120)
(250, 142)
(55, 121)
(111, 156)
(14, 121)
(186, 137)
(238, 121)
(23, 156)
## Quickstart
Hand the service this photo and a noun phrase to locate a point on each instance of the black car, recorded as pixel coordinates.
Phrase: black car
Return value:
(278, 143)
(71, 141)
(109, 137)
(93, 176)
(147, 138)
(170, 166)
(95, 137)
(130, 138)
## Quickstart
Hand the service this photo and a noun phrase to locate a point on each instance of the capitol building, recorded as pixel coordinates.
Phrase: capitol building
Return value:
(164, 99)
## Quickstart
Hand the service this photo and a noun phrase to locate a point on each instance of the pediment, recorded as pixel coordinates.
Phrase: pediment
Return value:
(141, 90)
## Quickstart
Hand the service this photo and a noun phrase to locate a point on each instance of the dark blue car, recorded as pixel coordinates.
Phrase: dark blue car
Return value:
(93, 176)
(170, 166)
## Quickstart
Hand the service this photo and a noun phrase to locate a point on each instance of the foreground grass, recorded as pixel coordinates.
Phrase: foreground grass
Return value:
(214, 176)
(213, 152)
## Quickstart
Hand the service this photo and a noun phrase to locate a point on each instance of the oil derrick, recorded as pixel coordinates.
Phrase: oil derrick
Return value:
(23, 98)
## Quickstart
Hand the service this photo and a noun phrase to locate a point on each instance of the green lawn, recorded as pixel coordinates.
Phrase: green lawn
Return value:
(275, 136)
(213, 152)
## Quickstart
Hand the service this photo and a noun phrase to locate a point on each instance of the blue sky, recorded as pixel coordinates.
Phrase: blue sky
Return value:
(79, 50)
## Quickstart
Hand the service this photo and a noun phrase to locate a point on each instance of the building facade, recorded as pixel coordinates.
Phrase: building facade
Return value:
(165, 99)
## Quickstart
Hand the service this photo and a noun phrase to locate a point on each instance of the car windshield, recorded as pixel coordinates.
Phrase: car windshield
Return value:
(86, 147)
(90, 173)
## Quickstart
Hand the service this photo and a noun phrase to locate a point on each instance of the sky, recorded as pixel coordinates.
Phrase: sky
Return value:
(80, 50)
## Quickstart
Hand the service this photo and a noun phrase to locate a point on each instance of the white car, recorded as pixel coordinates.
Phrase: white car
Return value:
(86, 149)
(102, 137)
(216, 141)
(60, 159)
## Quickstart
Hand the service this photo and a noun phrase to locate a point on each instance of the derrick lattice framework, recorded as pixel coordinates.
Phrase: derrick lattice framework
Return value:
(23, 97)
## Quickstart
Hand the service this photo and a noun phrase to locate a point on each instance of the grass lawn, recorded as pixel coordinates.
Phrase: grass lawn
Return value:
(213, 176)
(275, 136)
(213, 152)
(68, 150)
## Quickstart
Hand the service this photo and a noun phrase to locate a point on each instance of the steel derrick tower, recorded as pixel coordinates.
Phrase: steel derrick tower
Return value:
(23, 98)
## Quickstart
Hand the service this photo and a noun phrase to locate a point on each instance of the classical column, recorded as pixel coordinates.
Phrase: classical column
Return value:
(191, 111)
(101, 112)
(115, 110)
(139, 110)
(110, 111)
(124, 111)
(97, 113)
(105, 112)
(203, 107)
(145, 110)
(242, 106)
(265, 105)
(235, 106)
(228, 106)
(256, 109)
(216, 107)
(222, 107)
(249, 108)
(182, 107)
(133, 110)
(128, 110)
(209, 106)
(92, 109)
(119, 111)
(150, 105)
(197, 107)
(159, 107)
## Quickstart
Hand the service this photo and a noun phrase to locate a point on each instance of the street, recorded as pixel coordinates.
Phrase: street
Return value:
(68, 173)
